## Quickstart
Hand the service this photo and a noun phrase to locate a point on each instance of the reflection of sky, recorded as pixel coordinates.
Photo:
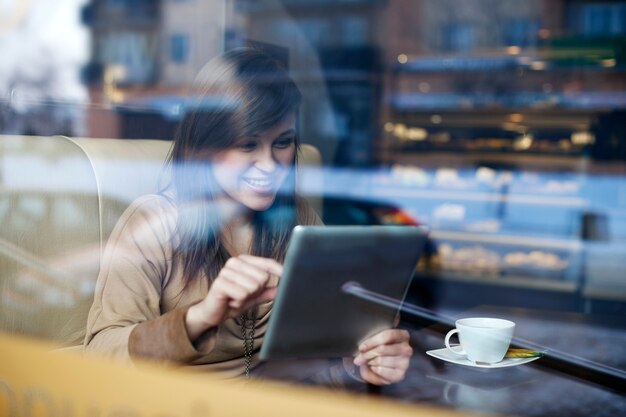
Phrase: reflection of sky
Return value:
(44, 46)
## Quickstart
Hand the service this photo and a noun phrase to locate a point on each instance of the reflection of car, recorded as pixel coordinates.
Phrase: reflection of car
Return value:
(343, 211)
(350, 211)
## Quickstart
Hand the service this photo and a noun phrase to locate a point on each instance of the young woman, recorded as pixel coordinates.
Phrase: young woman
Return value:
(189, 275)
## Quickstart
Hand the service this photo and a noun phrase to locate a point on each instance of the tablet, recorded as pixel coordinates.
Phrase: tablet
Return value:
(312, 316)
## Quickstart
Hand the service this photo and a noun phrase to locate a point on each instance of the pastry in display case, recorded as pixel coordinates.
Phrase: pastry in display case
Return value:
(492, 223)
(500, 261)
(472, 260)
(536, 263)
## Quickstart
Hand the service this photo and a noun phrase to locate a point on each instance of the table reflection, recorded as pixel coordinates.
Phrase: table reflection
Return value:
(531, 389)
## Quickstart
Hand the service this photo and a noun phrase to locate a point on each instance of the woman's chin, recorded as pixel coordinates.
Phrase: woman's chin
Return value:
(250, 201)
(259, 203)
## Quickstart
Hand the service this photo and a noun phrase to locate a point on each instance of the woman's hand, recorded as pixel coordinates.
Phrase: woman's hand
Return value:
(241, 284)
(384, 358)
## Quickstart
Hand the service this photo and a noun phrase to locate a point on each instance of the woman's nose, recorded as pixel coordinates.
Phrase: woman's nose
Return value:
(266, 161)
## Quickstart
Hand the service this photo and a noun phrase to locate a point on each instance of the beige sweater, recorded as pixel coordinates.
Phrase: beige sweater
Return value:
(140, 305)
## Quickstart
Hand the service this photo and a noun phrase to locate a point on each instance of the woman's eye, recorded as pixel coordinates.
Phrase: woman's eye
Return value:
(284, 143)
(247, 146)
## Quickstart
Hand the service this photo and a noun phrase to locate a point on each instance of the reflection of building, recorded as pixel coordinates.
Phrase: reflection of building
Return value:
(542, 76)
(548, 62)
(126, 36)
(146, 48)
(491, 113)
(192, 32)
(539, 77)
(344, 39)
(43, 46)
(332, 50)
(156, 42)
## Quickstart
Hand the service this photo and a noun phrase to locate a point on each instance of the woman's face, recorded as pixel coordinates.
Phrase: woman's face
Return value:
(252, 170)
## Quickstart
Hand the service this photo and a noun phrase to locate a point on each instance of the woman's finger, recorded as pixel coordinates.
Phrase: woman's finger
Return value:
(226, 289)
(372, 377)
(240, 291)
(252, 283)
(251, 272)
(241, 266)
(267, 295)
(394, 362)
(397, 349)
(266, 264)
(385, 337)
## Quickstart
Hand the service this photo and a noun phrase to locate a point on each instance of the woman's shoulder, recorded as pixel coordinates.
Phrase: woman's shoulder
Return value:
(156, 211)
(153, 202)
(150, 205)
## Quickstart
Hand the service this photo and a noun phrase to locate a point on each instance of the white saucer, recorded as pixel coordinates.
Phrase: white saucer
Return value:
(445, 355)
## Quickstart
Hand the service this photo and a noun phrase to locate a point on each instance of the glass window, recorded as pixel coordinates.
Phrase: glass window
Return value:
(522, 32)
(119, 4)
(179, 48)
(497, 125)
(599, 19)
(458, 37)
(596, 19)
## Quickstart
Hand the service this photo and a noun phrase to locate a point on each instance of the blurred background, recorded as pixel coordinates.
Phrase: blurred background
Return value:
(499, 124)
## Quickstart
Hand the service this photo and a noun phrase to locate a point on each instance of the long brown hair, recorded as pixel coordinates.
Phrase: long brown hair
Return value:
(240, 93)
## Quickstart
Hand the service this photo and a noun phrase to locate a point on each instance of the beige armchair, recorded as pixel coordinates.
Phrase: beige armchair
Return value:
(59, 200)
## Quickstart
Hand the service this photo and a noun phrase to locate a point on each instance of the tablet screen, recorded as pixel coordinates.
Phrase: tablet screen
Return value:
(311, 315)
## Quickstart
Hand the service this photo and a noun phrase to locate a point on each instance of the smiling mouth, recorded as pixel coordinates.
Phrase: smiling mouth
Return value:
(259, 184)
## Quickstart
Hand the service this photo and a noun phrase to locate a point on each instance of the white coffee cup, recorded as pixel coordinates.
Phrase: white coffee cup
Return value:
(483, 339)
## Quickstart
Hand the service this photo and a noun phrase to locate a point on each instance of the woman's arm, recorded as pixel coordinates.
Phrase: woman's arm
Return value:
(241, 284)
(125, 319)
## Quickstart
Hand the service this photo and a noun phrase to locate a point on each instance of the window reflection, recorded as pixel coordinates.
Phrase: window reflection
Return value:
(498, 125)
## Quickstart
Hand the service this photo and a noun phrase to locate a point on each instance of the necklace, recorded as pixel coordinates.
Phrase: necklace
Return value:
(248, 320)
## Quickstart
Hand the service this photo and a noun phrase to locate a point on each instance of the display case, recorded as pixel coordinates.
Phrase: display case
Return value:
(507, 163)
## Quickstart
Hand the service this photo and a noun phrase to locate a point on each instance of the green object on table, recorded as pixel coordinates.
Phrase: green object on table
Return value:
(522, 353)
